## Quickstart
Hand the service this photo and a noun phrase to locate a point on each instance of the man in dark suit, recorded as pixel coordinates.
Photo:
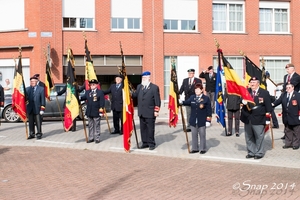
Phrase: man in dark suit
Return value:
(148, 99)
(210, 84)
(255, 117)
(1, 96)
(95, 103)
(188, 87)
(35, 107)
(116, 103)
(291, 77)
(290, 101)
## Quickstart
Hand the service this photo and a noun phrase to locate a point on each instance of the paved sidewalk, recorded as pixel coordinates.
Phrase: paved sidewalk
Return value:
(63, 166)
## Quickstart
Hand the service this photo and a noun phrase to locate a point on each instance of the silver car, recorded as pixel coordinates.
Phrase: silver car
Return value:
(52, 108)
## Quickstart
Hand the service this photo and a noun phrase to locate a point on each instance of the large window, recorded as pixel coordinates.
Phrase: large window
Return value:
(237, 64)
(276, 67)
(75, 17)
(274, 17)
(12, 15)
(126, 15)
(180, 15)
(229, 16)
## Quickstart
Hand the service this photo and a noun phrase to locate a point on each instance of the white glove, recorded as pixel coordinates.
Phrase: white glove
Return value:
(244, 102)
(299, 117)
(207, 124)
(79, 97)
(55, 93)
(41, 112)
(267, 122)
(101, 114)
(180, 101)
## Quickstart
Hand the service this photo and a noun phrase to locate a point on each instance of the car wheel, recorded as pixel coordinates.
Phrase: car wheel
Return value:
(10, 115)
(83, 106)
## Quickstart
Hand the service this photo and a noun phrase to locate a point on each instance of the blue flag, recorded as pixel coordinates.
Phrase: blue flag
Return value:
(220, 109)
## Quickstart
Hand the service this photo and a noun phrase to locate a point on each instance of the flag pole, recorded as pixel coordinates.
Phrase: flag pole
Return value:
(184, 129)
(105, 114)
(84, 124)
(272, 136)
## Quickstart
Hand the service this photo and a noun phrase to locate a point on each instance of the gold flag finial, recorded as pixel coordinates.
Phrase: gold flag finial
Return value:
(263, 62)
(84, 35)
(217, 43)
(242, 53)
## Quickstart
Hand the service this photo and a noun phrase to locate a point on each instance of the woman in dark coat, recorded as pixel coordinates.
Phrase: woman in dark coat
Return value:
(200, 115)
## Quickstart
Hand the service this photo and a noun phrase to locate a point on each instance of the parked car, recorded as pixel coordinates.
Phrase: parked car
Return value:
(51, 110)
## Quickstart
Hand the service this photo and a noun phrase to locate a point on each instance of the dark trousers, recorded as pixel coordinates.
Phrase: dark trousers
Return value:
(147, 126)
(35, 120)
(73, 128)
(117, 117)
(274, 118)
(292, 135)
(236, 114)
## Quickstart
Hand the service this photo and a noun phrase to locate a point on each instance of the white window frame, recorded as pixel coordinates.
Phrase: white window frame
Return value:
(273, 6)
(173, 11)
(12, 14)
(73, 9)
(126, 10)
(227, 3)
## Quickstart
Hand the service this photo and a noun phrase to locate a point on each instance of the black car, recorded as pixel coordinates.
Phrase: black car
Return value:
(52, 109)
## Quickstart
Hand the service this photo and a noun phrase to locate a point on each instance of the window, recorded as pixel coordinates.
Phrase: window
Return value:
(126, 15)
(13, 15)
(74, 17)
(274, 17)
(237, 64)
(180, 15)
(228, 17)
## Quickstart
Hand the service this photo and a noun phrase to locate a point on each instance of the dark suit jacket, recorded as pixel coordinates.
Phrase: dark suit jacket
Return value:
(41, 84)
(257, 114)
(36, 102)
(210, 84)
(185, 87)
(200, 109)
(93, 102)
(290, 113)
(116, 97)
(1, 96)
(295, 80)
(148, 100)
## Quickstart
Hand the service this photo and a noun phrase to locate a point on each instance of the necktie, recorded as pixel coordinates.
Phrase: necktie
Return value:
(33, 91)
(190, 82)
(253, 93)
(118, 85)
(210, 76)
(288, 99)
(289, 78)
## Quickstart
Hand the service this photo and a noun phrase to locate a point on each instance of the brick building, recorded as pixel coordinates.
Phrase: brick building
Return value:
(150, 32)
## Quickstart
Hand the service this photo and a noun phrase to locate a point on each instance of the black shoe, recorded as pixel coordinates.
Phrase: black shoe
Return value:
(295, 148)
(74, 130)
(152, 148)
(237, 135)
(249, 156)
(229, 134)
(286, 147)
(39, 136)
(202, 152)
(97, 141)
(283, 138)
(258, 157)
(30, 136)
(116, 132)
(194, 151)
(188, 130)
(275, 126)
(144, 146)
(121, 133)
(90, 141)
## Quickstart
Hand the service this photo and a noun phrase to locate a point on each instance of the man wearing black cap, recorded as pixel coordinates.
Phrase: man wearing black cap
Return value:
(188, 87)
(40, 83)
(116, 103)
(35, 107)
(210, 84)
(256, 117)
(148, 99)
(95, 103)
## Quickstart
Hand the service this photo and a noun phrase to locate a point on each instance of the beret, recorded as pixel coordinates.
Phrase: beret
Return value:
(34, 77)
(210, 67)
(191, 70)
(254, 78)
(120, 76)
(146, 73)
(93, 81)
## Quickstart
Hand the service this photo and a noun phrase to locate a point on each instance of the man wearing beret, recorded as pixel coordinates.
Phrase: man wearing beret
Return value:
(116, 103)
(35, 107)
(256, 117)
(210, 84)
(95, 103)
(188, 87)
(148, 99)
